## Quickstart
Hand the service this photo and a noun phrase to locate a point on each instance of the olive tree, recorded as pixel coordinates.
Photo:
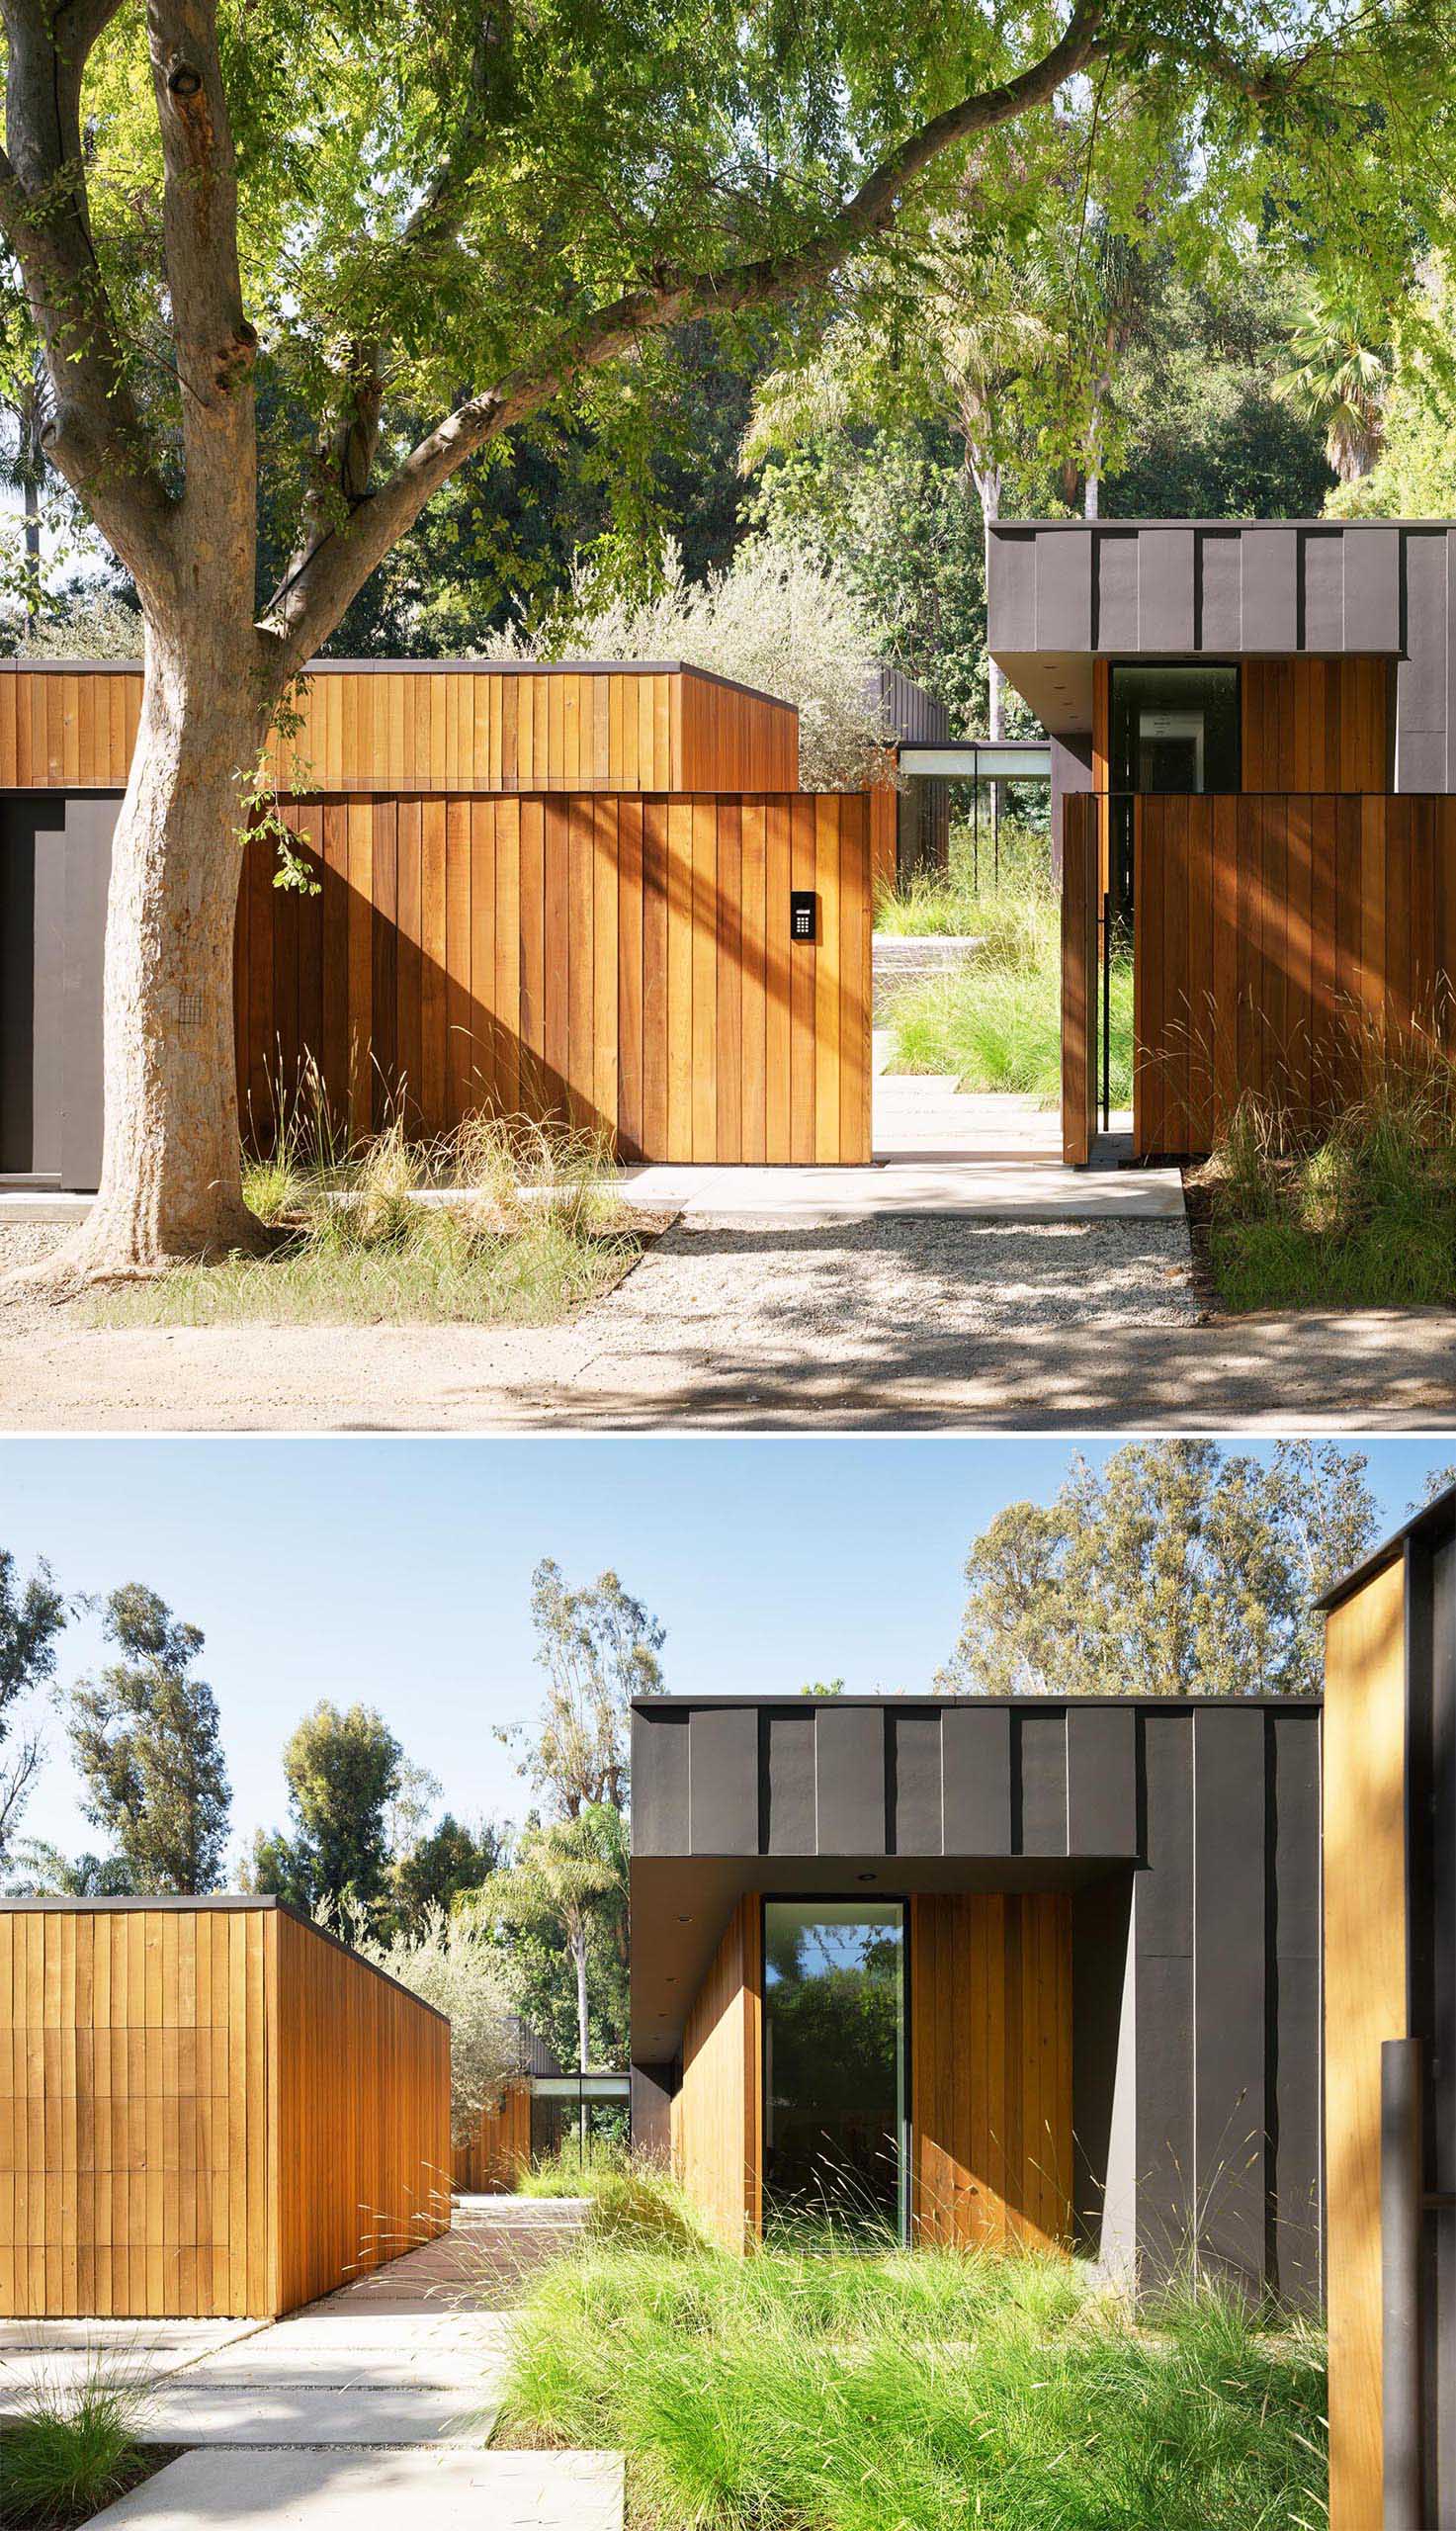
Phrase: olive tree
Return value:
(250, 237)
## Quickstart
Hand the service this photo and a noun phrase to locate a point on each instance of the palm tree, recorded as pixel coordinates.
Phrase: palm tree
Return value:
(1339, 376)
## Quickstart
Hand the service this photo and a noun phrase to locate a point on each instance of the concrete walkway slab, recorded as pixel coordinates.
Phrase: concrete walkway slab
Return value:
(186, 2337)
(439, 2491)
(258, 2412)
(990, 1186)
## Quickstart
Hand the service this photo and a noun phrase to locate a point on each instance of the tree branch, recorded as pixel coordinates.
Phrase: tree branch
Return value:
(309, 602)
(94, 437)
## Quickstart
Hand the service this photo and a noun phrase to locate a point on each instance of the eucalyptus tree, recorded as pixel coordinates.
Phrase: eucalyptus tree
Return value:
(475, 210)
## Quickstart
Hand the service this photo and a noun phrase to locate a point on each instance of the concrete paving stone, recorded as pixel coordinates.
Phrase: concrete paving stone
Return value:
(189, 2335)
(441, 2490)
(273, 2362)
(26, 2369)
(275, 2413)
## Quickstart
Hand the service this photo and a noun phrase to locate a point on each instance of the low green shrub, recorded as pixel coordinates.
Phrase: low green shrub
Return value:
(72, 2450)
(997, 1022)
(940, 2390)
(631, 2199)
(962, 898)
(1357, 1214)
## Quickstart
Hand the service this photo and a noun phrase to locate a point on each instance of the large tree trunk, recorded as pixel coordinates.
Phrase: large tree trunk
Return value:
(171, 1176)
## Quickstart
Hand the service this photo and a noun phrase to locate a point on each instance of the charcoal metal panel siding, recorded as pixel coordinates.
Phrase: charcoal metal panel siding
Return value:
(1271, 608)
(975, 1753)
(1065, 592)
(1220, 593)
(851, 1778)
(1291, 1947)
(1324, 586)
(914, 1784)
(1372, 588)
(1163, 1936)
(787, 1804)
(1115, 599)
(1101, 1780)
(1229, 1762)
(722, 1781)
(660, 1823)
(1420, 678)
(1042, 1774)
(1165, 605)
(1012, 578)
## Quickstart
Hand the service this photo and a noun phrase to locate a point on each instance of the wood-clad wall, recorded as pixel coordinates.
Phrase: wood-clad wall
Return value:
(361, 2078)
(192, 2110)
(1317, 725)
(1081, 897)
(446, 729)
(133, 2113)
(621, 963)
(500, 2144)
(1365, 2002)
(1274, 937)
(716, 2115)
(990, 2068)
(1306, 724)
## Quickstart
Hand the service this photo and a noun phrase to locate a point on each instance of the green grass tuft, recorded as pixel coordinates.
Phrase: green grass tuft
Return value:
(71, 2451)
(500, 1223)
(1360, 1214)
(997, 1022)
(631, 2199)
(856, 2392)
(963, 897)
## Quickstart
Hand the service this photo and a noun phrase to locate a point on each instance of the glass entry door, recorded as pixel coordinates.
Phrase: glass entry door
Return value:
(834, 2090)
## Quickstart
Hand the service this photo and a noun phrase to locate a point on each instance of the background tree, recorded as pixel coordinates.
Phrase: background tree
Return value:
(452, 1962)
(148, 1748)
(342, 1771)
(443, 1866)
(1339, 373)
(32, 1616)
(479, 217)
(599, 1648)
(41, 1870)
(565, 1889)
(1178, 1568)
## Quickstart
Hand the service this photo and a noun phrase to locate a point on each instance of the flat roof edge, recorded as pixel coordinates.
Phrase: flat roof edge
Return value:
(436, 668)
(1229, 526)
(791, 1698)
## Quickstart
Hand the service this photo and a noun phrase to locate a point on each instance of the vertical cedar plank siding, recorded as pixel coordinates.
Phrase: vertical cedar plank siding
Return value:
(716, 2115)
(990, 2072)
(615, 963)
(205, 2111)
(1278, 936)
(445, 729)
(500, 2144)
(1365, 2002)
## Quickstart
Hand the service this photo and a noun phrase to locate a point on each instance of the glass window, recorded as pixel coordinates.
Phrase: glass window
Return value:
(1174, 726)
(834, 2066)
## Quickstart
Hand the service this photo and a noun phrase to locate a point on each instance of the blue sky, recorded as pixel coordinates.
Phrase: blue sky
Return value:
(398, 1572)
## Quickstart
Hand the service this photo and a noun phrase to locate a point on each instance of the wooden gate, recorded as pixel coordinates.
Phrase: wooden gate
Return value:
(1081, 974)
(618, 962)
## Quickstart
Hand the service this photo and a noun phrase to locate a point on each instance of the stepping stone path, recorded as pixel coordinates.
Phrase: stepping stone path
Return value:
(385, 2393)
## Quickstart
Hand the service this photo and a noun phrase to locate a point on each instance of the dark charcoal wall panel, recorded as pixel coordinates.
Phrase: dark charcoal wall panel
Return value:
(914, 1782)
(1271, 589)
(1064, 591)
(1115, 597)
(1101, 1923)
(976, 1752)
(1421, 677)
(1229, 1763)
(1043, 1776)
(851, 1778)
(1220, 595)
(659, 1784)
(1166, 1895)
(1012, 583)
(1101, 1780)
(1162, 1937)
(723, 1780)
(1372, 589)
(1165, 588)
(1295, 2041)
(787, 1804)
(1324, 570)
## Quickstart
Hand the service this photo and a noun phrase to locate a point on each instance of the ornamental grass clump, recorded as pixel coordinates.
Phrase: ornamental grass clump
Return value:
(503, 1220)
(995, 1023)
(72, 2447)
(1357, 1213)
(845, 2391)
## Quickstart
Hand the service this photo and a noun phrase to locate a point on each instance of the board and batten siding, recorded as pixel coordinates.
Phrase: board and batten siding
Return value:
(990, 2068)
(622, 964)
(500, 2144)
(717, 2118)
(451, 727)
(197, 2101)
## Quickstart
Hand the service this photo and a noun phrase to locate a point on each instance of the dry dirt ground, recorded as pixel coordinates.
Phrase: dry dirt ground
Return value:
(893, 1324)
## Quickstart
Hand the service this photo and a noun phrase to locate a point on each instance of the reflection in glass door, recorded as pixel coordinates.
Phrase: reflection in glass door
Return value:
(836, 2110)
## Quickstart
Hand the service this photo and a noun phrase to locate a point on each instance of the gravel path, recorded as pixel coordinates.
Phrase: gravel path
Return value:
(893, 1322)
